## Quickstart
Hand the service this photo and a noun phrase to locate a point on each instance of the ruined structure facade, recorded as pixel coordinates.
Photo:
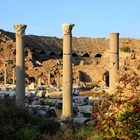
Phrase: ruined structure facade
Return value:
(90, 56)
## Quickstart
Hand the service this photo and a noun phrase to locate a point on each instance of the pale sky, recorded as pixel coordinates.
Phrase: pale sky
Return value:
(92, 18)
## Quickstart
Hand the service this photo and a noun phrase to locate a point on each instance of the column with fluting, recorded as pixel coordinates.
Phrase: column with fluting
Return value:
(58, 80)
(114, 61)
(67, 70)
(20, 65)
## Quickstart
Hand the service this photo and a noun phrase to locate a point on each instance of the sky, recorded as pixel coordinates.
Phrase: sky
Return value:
(92, 18)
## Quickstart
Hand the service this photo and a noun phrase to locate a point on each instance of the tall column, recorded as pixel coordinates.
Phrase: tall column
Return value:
(5, 74)
(39, 81)
(114, 61)
(79, 78)
(58, 80)
(20, 65)
(49, 78)
(13, 76)
(67, 71)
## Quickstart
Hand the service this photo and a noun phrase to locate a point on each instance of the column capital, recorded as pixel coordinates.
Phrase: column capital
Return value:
(114, 33)
(20, 29)
(67, 28)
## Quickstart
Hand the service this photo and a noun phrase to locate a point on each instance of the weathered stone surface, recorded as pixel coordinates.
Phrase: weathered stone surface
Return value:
(40, 49)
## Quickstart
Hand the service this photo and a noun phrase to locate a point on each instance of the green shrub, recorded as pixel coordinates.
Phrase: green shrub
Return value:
(28, 134)
(84, 131)
(131, 121)
(125, 49)
(49, 126)
(16, 123)
(118, 117)
(75, 132)
(50, 104)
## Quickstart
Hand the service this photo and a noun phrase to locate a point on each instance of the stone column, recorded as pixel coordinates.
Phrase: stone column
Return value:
(114, 61)
(58, 80)
(67, 71)
(5, 74)
(49, 78)
(79, 78)
(13, 76)
(39, 81)
(20, 65)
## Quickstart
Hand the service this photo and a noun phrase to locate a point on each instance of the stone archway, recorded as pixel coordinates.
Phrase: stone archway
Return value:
(98, 55)
(86, 55)
(106, 78)
(74, 55)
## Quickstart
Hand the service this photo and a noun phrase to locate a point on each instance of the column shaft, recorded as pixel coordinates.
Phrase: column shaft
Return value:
(49, 78)
(13, 76)
(114, 60)
(20, 65)
(58, 80)
(67, 71)
(39, 81)
(5, 74)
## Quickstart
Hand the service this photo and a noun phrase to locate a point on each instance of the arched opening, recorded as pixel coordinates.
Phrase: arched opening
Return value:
(52, 54)
(31, 79)
(98, 55)
(86, 55)
(74, 55)
(106, 78)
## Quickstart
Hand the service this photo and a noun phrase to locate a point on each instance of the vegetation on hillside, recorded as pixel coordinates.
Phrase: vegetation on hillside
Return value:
(18, 124)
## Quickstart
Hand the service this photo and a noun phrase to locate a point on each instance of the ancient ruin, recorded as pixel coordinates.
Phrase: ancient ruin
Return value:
(114, 61)
(70, 80)
(20, 65)
(67, 70)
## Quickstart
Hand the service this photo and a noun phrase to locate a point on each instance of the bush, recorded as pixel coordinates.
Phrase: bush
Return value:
(16, 123)
(131, 121)
(74, 132)
(125, 49)
(14, 119)
(28, 134)
(118, 117)
(49, 126)
(50, 104)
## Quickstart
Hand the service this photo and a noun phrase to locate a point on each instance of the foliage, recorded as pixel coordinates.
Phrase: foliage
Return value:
(50, 104)
(16, 123)
(118, 117)
(14, 119)
(28, 134)
(125, 49)
(131, 120)
(75, 132)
